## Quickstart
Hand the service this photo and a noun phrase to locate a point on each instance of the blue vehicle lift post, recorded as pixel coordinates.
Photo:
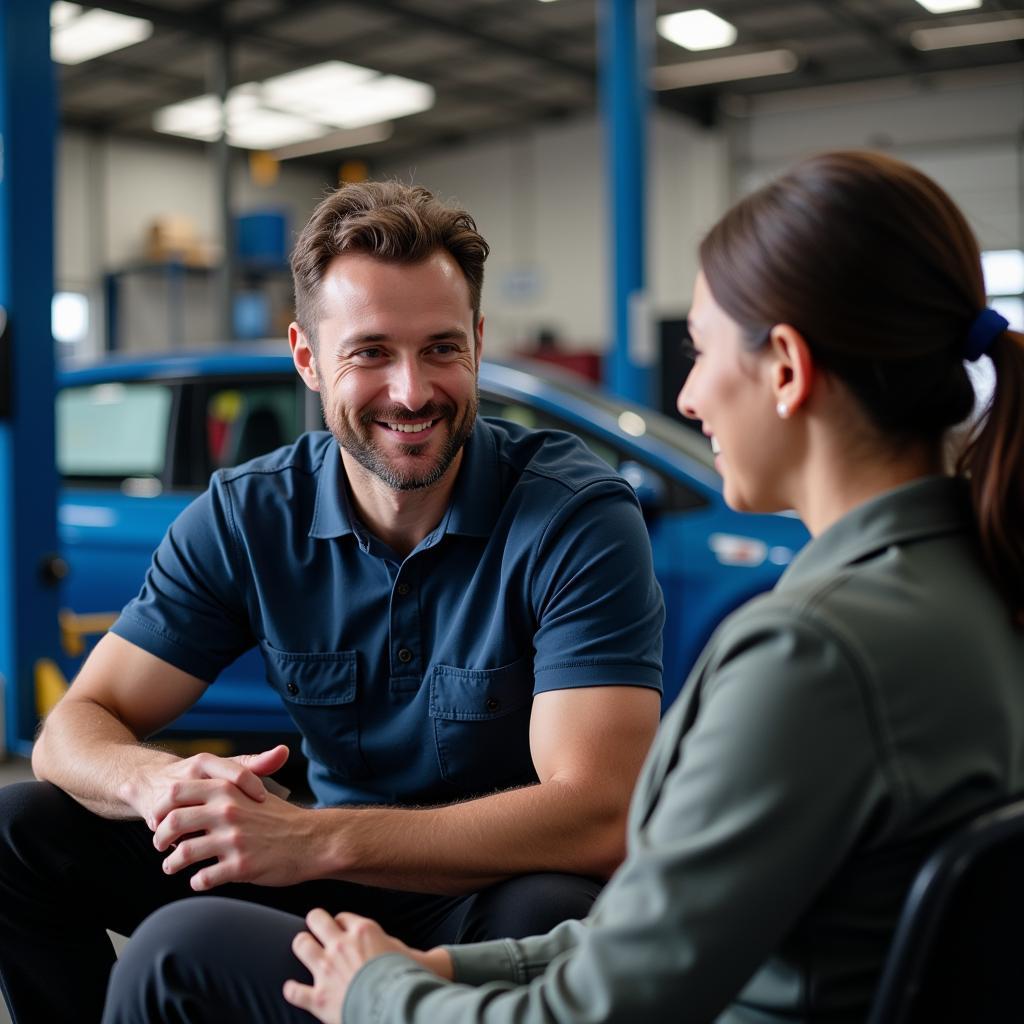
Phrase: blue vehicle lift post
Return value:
(29, 566)
(625, 37)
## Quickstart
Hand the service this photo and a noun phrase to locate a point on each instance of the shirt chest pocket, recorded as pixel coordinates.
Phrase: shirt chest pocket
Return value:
(319, 690)
(481, 724)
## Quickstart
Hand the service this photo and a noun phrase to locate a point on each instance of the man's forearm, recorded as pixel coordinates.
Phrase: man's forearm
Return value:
(462, 847)
(89, 754)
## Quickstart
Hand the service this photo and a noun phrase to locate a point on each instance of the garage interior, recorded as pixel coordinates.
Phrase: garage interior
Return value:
(172, 220)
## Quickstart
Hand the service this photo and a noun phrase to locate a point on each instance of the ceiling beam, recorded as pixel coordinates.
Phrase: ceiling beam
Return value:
(204, 23)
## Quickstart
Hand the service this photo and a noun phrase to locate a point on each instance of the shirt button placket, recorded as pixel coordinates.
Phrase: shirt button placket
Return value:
(405, 632)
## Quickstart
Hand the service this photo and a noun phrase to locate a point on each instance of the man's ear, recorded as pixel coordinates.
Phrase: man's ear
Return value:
(791, 367)
(303, 356)
(479, 339)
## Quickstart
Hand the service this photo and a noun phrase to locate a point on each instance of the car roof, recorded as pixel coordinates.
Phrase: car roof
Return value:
(549, 386)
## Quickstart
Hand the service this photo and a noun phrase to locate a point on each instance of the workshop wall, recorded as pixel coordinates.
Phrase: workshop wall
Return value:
(540, 195)
(540, 199)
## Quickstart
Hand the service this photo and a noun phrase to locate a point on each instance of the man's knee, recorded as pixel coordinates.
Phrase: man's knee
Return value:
(528, 905)
(207, 958)
(33, 816)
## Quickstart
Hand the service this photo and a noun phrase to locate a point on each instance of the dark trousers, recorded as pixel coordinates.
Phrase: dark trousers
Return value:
(67, 875)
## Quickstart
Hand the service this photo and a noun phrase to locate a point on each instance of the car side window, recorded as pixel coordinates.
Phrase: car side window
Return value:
(113, 432)
(676, 495)
(244, 419)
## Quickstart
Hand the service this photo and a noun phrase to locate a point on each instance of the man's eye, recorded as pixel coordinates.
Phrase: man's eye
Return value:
(445, 349)
(369, 353)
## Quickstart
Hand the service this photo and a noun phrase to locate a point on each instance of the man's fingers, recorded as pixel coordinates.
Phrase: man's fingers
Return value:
(221, 873)
(183, 793)
(266, 762)
(232, 770)
(179, 822)
(191, 851)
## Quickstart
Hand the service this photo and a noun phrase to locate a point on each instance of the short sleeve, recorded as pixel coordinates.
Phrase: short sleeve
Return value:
(190, 611)
(600, 611)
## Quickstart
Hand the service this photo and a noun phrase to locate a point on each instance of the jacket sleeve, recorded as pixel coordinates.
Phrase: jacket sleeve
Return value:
(757, 805)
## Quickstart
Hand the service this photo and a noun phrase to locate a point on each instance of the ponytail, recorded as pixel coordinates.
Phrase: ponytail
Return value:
(993, 462)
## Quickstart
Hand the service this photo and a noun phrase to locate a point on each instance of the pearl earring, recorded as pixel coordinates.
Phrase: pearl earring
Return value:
(783, 410)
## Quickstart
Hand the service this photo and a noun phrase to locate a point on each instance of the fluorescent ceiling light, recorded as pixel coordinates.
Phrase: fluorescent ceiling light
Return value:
(77, 36)
(197, 118)
(299, 107)
(696, 30)
(1004, 271)
(946, 6)
(346, 95)
(268, 129)
(974, 33)
(61, 13)
(249, 125)
(724, 69)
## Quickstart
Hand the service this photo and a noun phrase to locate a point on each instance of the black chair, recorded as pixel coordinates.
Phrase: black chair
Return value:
(958, 949)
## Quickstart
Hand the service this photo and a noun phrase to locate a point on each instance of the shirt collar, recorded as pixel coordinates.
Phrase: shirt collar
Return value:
(923, 508)
(476, 497)
(472, 512)
(332, 513)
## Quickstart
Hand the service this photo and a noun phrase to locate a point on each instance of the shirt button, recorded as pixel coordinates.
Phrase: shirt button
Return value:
(292, 689)
(404, 655)
(403, 589)
(492, 704)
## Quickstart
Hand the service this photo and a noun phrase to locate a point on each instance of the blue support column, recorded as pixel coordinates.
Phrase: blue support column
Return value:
(625, 28)
(28, 479)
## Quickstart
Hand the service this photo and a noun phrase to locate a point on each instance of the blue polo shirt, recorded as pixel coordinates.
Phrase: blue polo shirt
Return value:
(411, 680)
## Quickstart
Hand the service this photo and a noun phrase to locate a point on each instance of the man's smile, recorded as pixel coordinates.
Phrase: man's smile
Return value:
(408, 428)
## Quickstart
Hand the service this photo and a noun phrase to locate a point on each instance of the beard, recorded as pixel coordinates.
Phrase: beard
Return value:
(358, 441)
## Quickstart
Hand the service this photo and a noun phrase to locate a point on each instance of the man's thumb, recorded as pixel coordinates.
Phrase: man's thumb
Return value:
(267, 761)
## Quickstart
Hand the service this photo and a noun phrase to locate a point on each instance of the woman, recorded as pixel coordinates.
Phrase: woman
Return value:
(835, 729)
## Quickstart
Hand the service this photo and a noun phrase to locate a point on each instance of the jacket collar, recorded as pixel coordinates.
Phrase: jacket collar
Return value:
(922, 508)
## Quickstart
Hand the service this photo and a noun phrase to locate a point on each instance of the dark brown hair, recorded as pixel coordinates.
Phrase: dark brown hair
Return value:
(393, 222)
(874, 264)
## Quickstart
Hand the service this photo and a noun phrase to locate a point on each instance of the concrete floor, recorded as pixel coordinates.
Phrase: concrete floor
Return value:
(16, 770)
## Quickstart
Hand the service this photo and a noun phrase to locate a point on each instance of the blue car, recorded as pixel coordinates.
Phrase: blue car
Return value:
(138, 437)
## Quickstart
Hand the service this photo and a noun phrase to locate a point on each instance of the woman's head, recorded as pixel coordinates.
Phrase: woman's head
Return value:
(876, 269)
(871, 261)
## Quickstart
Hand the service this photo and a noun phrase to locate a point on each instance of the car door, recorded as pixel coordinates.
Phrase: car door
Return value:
(132, 454)
(667, 500)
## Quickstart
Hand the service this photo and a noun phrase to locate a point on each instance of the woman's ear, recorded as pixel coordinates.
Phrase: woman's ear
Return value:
(791, 368)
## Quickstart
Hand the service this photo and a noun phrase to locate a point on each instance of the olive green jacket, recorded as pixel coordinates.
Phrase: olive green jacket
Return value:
(831, 732)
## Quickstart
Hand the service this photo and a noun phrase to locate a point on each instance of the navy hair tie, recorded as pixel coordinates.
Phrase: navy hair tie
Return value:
(986, 327)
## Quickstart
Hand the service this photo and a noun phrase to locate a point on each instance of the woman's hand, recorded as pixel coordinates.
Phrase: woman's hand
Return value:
(334, 949)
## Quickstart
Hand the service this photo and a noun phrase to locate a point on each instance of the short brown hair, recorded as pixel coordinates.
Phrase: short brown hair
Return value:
(393, 222)
(874, 264)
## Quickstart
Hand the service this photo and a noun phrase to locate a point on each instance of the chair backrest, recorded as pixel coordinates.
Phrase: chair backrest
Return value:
(956, 954)
(260, 433)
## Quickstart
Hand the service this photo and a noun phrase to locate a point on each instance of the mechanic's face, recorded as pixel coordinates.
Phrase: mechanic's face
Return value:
(396, 365)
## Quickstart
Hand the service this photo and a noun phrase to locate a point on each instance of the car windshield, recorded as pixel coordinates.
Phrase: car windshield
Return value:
(113, 430)
(633, 419)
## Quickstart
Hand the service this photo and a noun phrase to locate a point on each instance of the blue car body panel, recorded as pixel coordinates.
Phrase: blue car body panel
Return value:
(708, 559)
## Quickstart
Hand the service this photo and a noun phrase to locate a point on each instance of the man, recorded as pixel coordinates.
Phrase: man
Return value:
(460, 615)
